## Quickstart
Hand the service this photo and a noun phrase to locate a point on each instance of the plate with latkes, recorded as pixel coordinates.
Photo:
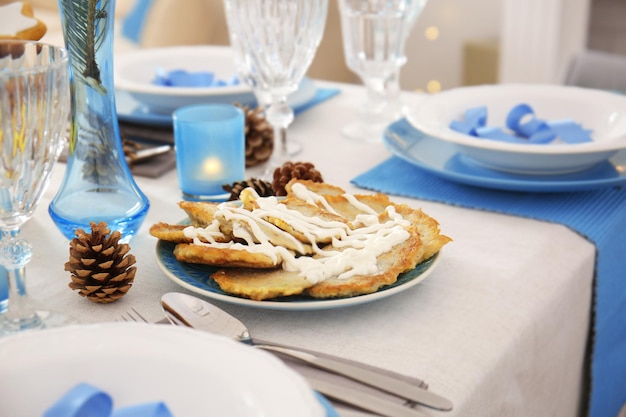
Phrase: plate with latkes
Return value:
(196, 278)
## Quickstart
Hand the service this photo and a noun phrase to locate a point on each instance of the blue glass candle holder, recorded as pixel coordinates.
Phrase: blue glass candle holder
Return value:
(210, 150)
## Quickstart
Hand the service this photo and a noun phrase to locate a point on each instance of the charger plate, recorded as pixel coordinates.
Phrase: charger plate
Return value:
(445, 160)
(133, 111)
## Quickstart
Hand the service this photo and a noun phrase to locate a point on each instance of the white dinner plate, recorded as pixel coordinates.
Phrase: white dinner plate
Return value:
(444, 160)
(131, 110)
(602, 112)
(195, 277)
(196, 374)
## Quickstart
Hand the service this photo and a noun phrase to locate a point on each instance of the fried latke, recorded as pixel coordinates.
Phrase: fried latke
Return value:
(392, 263)
(260, 284)
(207, 255)
(170, 232)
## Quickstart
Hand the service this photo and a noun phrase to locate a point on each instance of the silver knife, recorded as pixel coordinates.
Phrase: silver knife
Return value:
(362, 400)
(194, 312)
(366, 376)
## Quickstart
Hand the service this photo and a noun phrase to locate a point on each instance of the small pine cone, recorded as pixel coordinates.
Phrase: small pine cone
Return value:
(262, 187)
(259, 137)
(101, 267)
(130, 149)
(291, 170)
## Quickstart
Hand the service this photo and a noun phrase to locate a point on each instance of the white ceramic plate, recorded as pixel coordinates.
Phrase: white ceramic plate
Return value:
(195, 374)
(135, 72)
(195, 277)
(603, 112)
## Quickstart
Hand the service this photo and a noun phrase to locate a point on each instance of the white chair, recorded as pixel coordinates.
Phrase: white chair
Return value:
(597, 69)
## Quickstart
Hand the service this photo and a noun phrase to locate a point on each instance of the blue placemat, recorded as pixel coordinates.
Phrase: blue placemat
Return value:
(598, 215)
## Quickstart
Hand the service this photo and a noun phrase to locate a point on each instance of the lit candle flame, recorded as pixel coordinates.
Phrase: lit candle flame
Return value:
(212, 167)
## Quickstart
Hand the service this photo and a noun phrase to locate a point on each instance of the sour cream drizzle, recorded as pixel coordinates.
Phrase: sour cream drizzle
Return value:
(351, 252)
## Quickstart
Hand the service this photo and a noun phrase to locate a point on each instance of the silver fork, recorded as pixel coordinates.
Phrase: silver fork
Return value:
(133, 315)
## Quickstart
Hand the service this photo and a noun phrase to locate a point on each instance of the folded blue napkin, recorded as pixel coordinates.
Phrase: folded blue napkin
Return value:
(132, 25)
(598, 215)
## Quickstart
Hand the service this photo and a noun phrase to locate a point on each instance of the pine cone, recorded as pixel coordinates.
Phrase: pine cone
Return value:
(262, 187)
(290, 170)
(259, 137)
(130, 149)
(101, 267)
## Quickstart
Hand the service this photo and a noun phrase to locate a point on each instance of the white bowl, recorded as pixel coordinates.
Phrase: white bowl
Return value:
(602, 112)
(193, 373)
(135, 72)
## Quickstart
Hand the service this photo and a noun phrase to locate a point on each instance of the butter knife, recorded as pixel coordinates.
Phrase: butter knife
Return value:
(184, 309)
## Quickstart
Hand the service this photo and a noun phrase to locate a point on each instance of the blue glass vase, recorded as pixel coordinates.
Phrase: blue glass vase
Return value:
(98, 185)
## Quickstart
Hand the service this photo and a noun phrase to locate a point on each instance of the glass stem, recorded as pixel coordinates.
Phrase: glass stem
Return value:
(19, 312)
(376, 100)
(15, 254)
(280, 115)
(395, 108)
(281, 133)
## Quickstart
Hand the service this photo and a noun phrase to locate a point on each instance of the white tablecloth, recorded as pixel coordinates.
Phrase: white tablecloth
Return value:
(500, 327)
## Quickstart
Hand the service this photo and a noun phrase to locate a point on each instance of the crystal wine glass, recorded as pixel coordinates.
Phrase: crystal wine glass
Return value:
(34, 109)
(274, 42)
(374, 35)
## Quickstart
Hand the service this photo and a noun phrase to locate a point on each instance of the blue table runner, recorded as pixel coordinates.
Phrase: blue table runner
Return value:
(598, 215)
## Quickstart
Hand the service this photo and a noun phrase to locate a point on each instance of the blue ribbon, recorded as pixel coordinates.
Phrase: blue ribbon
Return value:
(570, 131)
(524, 125)
(85, 400)
(182, 78)
(475, 118)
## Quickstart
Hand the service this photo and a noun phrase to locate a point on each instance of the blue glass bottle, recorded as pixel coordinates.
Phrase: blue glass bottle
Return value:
(98, 185)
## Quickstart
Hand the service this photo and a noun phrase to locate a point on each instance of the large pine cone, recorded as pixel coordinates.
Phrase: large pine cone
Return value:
(101, 267)
(290, 170)
(259, 137)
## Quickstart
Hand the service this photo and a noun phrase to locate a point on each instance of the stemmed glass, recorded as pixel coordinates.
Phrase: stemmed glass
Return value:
(34, 109)
(374, 35)
(274, 42)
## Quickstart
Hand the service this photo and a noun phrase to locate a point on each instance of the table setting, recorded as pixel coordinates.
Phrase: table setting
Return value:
(504, 300)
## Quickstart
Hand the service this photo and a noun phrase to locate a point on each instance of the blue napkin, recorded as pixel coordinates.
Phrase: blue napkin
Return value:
(132, 25)
(321, 95)
(598, 215)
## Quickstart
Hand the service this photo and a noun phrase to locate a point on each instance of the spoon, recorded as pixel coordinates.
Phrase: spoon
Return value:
(190, 311)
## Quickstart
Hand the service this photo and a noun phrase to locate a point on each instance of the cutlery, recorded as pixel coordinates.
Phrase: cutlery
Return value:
(148, 153)
(145, 133)
(352, 402)
(361, 400)
(187, 310)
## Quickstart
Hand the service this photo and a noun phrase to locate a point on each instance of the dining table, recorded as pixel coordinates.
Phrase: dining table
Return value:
(505, 324)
